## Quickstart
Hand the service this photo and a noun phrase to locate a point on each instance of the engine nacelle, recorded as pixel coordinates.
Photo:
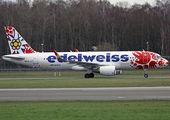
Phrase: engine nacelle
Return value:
(109, 70)
(118, 72)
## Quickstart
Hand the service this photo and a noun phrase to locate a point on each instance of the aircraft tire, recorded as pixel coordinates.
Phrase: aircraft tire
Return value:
(87, 75)
(91, 75)
(145, 75)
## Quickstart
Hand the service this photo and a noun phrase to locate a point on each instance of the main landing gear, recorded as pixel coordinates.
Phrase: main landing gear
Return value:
(91, 75)
(145, 74)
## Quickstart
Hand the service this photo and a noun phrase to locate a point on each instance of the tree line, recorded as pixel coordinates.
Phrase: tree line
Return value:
(65, 25)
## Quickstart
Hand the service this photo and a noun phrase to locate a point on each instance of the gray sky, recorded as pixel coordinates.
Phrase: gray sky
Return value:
(133, 1)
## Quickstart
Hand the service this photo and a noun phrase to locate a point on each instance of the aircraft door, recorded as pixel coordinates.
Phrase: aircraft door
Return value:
(35, 61)
(145, 57)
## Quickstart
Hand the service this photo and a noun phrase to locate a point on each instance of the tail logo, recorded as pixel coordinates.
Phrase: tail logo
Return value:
(9, 31)
(15, 44)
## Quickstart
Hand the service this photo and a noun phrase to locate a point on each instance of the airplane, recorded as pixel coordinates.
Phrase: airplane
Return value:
(107, 63)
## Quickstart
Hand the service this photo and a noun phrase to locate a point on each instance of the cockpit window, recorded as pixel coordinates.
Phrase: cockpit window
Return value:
(157, 57)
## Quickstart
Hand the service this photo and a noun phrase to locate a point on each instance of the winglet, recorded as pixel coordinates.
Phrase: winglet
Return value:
(58, 56)
(76, 50)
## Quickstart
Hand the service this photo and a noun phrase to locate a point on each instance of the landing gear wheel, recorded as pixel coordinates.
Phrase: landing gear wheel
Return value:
(87, 75)
(145, 75)
(91, 75)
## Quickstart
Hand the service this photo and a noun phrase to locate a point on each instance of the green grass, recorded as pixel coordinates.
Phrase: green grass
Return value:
(28, 74)
(92, 82)
(86, 110)
(98, 81)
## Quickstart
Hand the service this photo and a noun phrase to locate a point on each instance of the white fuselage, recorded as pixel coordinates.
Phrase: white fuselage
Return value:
(120, 59)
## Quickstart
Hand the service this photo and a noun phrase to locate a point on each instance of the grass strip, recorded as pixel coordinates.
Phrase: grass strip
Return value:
(28, 74)
(92, 82)
(86, 110)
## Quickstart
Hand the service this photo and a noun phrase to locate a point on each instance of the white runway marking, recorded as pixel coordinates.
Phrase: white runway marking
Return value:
(121, 97)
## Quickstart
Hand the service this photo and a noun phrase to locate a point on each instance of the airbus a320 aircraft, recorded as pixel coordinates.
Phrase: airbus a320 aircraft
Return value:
(105, 63)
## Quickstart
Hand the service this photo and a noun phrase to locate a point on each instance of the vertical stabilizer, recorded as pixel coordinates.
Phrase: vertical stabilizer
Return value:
(16, 43)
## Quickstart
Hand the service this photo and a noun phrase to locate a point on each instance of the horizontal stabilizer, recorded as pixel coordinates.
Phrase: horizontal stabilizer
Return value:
(13, 57)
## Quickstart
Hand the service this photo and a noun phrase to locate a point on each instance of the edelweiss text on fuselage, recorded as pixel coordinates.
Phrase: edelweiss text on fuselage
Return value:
(90, 58)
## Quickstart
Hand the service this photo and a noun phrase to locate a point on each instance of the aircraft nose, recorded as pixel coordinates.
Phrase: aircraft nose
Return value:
(163, 63)
(167, 63)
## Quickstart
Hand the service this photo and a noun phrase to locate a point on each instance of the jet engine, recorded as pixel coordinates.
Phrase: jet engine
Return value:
(109, 70)
(118, 72)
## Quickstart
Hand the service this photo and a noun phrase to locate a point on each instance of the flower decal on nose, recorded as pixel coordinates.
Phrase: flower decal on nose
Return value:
(140, 60)
(147, 60)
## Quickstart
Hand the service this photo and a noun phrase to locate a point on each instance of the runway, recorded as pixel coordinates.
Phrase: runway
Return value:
(62, 94)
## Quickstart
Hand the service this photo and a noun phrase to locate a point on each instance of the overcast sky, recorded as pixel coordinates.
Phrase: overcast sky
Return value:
(133, 1)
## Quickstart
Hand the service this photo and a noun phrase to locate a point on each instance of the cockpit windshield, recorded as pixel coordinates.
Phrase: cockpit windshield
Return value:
(157, 57)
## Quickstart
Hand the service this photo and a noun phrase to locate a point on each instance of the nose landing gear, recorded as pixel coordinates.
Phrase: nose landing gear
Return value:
(145, 74)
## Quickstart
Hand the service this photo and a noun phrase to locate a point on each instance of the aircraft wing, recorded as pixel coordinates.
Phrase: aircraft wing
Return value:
(84, 64)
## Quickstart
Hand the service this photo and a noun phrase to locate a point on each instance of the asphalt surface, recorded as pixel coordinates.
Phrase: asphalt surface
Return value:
(62, 94)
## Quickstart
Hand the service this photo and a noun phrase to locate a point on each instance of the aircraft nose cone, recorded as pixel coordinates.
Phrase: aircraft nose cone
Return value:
(167, 63)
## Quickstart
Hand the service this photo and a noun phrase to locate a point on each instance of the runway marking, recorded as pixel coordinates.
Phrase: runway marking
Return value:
(121, 97)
